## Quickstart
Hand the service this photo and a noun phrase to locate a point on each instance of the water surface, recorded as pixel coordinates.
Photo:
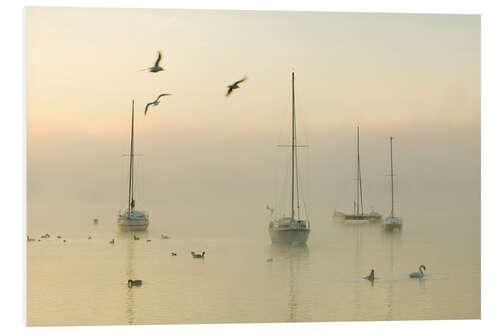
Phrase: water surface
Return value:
(83, 281)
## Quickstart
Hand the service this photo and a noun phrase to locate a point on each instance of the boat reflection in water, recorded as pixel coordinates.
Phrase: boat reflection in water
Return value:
(130, 299)
(296, 256)
(393, 240)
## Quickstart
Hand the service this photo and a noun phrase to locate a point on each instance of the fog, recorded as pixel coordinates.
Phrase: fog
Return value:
(211, 164)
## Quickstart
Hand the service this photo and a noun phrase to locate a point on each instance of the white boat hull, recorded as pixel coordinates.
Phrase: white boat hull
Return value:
(297, 236)
(338, 218)
(355, 219)
(131, 222)
(374, 218)
(391, 223)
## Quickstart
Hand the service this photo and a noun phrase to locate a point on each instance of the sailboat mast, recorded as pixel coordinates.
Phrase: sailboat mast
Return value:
(131, 171)
(297, 180)
(357, 174)
(296, 166)
(392, 185)
(360, 184)
(293, 144)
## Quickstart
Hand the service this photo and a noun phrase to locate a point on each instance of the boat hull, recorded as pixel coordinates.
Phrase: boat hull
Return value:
(361, 219)
(355, 219)
(133, 223)
(374, 219)
(390, 227)
(392, 223)
(297, 236)
(338, 218)
(133, 227)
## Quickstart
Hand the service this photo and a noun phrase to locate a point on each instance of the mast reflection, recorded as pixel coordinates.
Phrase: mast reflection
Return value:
(393, 240)
(297, 256)
(130, 299)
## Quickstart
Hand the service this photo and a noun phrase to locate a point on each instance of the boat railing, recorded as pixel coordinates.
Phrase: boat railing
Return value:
(122, 212)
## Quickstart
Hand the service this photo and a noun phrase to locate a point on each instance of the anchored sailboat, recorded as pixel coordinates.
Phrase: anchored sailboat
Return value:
(358, 215)
(392, 222)
(291, 229)
(131, 219)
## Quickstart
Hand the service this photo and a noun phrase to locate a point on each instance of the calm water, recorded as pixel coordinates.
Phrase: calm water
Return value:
(83, 282)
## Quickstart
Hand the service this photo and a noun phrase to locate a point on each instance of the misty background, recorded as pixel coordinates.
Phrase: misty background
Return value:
(210, 163)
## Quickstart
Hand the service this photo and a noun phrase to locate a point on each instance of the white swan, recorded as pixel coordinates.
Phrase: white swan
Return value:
(419, 274)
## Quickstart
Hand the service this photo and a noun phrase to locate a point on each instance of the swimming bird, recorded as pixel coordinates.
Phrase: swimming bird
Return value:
(269, 259)
(64, 240)
(196, 255)
(136, 238)
(90, 237)
(112, 241)
(156, 67)
(45, 236)
(233, 86)
(58, 237)
(163, 236)
(136, 283)
(155, 103)
(173, 254)
(30, 239)
(419, 274)
(149, 240)
(370, 277)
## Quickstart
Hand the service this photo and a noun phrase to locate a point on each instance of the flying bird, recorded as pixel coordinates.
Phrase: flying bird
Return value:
(233, 86)
(156, 102)
(156, 67)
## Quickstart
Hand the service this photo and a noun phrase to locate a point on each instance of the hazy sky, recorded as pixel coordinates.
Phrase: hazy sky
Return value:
(207, 157)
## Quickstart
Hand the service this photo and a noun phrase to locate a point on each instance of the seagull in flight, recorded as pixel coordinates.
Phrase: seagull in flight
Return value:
(155, 103)
(233, 86)
(156, 67)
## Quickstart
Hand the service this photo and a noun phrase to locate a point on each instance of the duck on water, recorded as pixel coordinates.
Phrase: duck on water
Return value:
(136, 283)
(198, 256)
(370, 277)
(419, 274)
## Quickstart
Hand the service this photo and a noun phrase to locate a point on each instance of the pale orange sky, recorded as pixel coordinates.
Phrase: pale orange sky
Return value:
(413, 76)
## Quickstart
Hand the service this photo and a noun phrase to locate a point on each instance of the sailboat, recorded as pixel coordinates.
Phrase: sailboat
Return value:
(291, 229)
(358, 215)
(130, 219)
(392, 222)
